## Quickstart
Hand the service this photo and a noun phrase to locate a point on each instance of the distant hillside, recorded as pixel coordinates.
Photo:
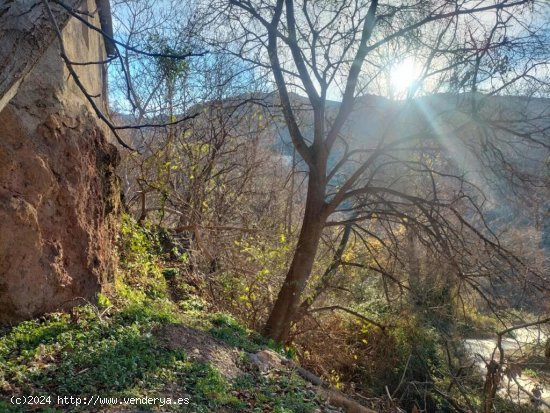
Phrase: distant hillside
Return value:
(465, 124)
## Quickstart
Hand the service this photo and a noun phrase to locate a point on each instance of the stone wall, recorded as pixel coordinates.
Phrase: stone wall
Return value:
(58, 189)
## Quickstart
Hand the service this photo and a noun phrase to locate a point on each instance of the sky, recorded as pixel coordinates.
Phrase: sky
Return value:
(395, 78)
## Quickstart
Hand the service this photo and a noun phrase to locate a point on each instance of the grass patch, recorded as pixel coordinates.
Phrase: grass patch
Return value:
(85, 354)
(283, 393)
(112, 351)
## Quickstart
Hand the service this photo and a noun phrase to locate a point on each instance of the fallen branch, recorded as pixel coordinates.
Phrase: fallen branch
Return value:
(347, 310)
(213, 228)
(531, 395)
(334, 397)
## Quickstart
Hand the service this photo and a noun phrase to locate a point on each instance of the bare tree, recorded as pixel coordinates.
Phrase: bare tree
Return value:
(324, 49)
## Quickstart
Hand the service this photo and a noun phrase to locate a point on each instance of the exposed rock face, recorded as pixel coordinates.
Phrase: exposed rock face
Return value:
(58, 190)
(26, 34)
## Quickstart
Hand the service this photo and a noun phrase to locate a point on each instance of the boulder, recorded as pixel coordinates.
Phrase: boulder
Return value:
(59, 194)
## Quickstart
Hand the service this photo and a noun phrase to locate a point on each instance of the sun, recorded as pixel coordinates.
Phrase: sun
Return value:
(404, 74)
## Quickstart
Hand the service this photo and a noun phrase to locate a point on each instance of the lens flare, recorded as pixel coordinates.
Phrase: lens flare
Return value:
(403, 76)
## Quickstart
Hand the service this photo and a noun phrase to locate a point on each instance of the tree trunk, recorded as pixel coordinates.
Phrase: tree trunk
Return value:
(278, 324)
(413, 268)
(327, 276)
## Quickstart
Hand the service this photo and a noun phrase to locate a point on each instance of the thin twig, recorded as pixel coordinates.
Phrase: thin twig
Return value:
(347, 310)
